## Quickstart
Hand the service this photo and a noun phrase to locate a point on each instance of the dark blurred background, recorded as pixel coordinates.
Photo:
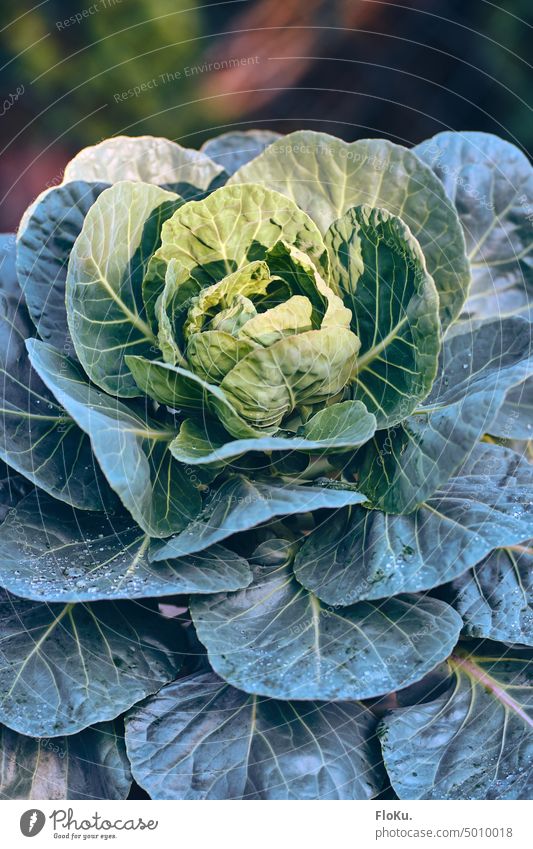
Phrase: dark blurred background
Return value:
(75, 72)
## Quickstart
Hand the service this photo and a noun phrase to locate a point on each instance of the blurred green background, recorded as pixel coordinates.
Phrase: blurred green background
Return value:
(73, 73)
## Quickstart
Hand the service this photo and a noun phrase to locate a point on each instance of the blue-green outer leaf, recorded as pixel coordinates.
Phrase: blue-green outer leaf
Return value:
(277, 639)
(474, 742)
(45, 239)
(380, 269)
(49, 552)
(203, 237)
(199, 738)
(366, 554)
(38, 439)
(238, 504)
(401, 467)
(342, 426)
(131, 450)
(64, 667)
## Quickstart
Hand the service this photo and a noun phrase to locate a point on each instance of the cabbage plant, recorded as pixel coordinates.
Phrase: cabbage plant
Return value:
(266, 490)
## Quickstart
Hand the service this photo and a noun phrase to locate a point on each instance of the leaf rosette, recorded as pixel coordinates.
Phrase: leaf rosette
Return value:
(270, 342)
(256, 379)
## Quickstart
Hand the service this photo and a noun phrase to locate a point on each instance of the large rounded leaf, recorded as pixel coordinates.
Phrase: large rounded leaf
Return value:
(66, 666)
(326, 176)
(380, 269)
(236, 148)
(403, 466)
(496, 598)
(199, 738)
(146, 159)
(475, 742)
(131, 449)
(235, 225)
(89, 765)
(50, 552)
(45, 239)
(491, 183)
(277, 639)
(366, 554)
(238, 504)
(342, 426)
(38, 438)
(105, 311)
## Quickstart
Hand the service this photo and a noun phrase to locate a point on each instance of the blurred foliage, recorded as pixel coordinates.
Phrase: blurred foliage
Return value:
(75, 66)
(355, 68)
(510, 27)
(360, 68)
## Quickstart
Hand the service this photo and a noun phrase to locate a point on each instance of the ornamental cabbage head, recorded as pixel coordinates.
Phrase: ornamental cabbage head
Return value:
(248, 314)
(282, 385)
(271, 334)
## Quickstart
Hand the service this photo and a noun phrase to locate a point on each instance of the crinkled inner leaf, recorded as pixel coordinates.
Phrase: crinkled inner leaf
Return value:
(326, 176)
(235, 148)
(379, 267)
(89, 765)
(205, 238)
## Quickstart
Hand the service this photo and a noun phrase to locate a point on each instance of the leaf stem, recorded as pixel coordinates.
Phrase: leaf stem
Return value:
(483, 678)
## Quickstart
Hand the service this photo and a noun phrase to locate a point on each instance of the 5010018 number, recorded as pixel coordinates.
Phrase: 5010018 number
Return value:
(483, 831)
